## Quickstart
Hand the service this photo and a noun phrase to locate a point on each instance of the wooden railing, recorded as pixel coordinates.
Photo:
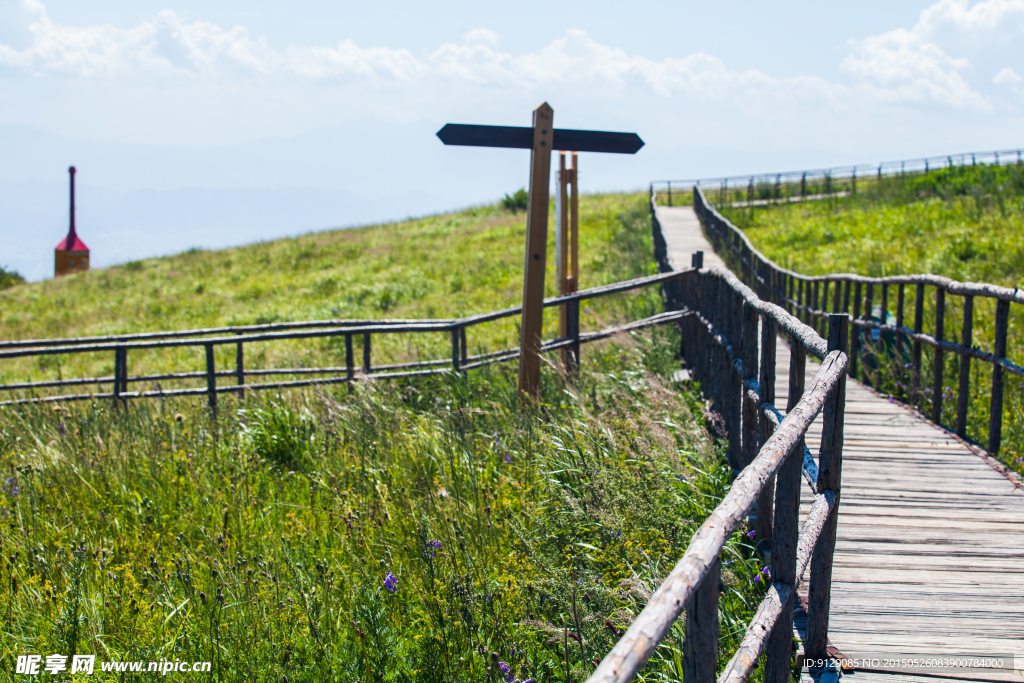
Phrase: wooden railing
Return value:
(210, 338)
(729, 343)
(814, 298)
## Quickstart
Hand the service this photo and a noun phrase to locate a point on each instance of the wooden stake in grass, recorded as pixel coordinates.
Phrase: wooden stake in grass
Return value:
(536, 250)
(567, 244)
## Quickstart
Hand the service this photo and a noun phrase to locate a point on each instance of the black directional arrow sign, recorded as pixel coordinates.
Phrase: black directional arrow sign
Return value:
(522, 138)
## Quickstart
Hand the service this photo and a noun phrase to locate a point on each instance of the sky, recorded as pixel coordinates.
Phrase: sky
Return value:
(199, 124)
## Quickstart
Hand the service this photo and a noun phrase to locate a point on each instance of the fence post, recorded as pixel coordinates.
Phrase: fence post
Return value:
(779, 648)
(349, 362)
(670, 193)
(240, 367)
(766, 386)
(803, 185)
(853, 178)
(456, 355)
(915, 378)
(963, 391)
(835, 297)
(800, 314)
(995, 416)
(940, 319)
(700, 648)
(814, 307)
(120, 373)
(855, 346)
(748, 355)
(211, 380)
(868, 333)
(366, 353)
(464, 347)
(830, 465)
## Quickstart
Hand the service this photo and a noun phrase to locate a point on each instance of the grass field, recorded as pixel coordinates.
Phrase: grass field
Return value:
(966, 223)
(442, 266)
(427, 530)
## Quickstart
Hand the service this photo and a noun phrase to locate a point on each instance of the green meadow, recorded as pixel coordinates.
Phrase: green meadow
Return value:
(426, 529)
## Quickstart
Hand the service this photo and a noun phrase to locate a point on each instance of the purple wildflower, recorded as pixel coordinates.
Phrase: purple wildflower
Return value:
(508, 458)
(750, 534)
(505, 668)
(892, 400)
(757, 579)
(391, 582)
(13, 487)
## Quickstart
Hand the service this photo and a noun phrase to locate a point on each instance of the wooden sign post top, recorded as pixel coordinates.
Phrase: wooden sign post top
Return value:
(540, 138)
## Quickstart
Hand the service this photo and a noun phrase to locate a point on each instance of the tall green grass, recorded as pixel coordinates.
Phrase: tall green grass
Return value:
(964, 222)
(436, 529)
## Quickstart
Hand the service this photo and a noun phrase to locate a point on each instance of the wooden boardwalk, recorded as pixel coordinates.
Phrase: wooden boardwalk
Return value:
(929, 561)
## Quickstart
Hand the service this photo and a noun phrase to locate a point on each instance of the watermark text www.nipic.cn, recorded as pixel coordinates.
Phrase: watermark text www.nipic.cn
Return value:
(33, 665)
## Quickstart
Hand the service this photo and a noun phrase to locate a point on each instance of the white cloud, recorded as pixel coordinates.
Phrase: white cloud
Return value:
(1006, 76)
(900, 66)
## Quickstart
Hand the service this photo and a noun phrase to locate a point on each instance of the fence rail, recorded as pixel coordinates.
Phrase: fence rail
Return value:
(790, 186)
(809, 298)
(209, 338)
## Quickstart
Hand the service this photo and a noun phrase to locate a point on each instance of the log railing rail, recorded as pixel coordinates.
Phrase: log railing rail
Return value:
(729, 345)
(808, 298)
(210, 338)
(789, 186)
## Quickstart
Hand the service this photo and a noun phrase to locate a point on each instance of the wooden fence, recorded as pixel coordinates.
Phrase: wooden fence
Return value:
(770, 188)
(210, 338)
(729, 342)
(814, 298)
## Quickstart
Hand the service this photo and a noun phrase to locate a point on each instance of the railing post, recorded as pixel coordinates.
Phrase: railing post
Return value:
(963, 391)
(868, 333)
(211, 380)
(995, 416)
(463, 347)
(766, 386)
(120, 374)
(456, 355)
(939, 358)
(748, 355)
(366, 353)
(349, 362)
(670, 193)
(855, 331)
(800, 313)
(900, 298)
(830, 465)
(915, 378)
(835, 297)
(700, 648)
(779, 648)
(815, 320)
(240, 367)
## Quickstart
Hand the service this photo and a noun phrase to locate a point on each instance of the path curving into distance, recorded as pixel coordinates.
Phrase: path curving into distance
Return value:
(929, 561)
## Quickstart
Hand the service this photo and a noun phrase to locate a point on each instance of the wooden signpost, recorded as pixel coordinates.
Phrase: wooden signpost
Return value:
(540, 139)
(567, 246)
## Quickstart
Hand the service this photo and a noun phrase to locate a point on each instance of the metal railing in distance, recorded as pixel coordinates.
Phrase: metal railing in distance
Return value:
(729, 344)
(789, 186)
(813, 298)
